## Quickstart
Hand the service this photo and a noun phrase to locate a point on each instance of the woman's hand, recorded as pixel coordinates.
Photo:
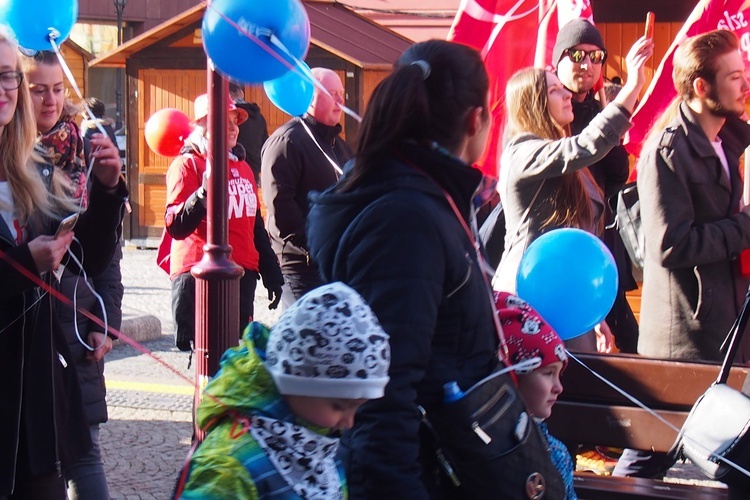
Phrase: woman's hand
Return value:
(101, 343)
(48, 251)
(106, 158)
(604, 338)
(635, 62)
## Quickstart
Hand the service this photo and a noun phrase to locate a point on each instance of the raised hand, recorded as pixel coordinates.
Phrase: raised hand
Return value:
(106, 158)
(635, 61)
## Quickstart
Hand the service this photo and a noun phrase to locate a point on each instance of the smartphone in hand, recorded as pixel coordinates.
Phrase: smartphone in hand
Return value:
(66, 225)
(650, 20)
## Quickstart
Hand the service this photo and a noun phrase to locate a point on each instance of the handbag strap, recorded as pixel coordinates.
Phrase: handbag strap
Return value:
(503, 347)
(735, 333)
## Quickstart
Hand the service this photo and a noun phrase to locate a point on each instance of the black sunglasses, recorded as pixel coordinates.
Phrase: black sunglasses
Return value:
(595, 56)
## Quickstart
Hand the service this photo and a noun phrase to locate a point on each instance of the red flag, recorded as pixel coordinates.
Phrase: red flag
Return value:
(708, 15)
(500, 30)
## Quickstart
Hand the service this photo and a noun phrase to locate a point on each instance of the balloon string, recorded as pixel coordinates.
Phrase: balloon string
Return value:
(296, 67)
(54, 293)
(306, 74)
(661, 419)
(77, 90)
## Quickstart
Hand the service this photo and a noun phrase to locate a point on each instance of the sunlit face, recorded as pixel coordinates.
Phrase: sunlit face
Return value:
(233, 129)
(558, 101)
(47, 93)
(8, 98)
(541, 388)
(324, 109)
(579, 77)
(726, 96)
(331, 413)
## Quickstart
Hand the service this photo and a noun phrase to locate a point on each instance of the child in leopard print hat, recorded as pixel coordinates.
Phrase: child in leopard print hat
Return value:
(273, 411)
(528, 336)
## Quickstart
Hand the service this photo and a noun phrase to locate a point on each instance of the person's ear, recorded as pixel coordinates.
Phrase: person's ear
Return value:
(475, 121)
(700, 87)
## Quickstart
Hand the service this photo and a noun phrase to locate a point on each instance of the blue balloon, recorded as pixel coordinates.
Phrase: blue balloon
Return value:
(254, 61)
(292, 92)
(31, 20)
(570, 277)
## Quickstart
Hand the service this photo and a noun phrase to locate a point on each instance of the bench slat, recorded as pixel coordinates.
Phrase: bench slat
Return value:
(617, 426)
(593, 487)
(660, 384)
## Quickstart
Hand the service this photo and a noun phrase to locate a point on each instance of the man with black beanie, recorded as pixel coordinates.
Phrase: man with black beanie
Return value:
(578, 57)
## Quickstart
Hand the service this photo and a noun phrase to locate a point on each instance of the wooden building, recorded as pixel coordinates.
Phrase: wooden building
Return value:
(166, 67)
(77, 59)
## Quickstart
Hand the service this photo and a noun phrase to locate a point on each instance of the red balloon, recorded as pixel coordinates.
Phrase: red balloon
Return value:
(166, 130)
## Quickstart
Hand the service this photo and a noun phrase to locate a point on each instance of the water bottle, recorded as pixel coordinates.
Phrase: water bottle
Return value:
(452, 392)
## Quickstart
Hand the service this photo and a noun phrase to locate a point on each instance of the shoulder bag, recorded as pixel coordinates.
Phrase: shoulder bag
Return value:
(715, 436)
(486, 444)
(628, 220)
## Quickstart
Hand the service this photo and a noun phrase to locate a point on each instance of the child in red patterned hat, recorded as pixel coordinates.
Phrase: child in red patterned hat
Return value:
(528, 336)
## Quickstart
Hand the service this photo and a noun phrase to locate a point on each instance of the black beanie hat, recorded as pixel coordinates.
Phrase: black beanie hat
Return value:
(574, 33)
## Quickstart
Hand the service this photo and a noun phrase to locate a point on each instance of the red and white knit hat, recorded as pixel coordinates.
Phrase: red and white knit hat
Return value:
(526, 333)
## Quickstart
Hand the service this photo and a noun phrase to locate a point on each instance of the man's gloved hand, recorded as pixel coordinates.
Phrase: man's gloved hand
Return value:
(274, 295)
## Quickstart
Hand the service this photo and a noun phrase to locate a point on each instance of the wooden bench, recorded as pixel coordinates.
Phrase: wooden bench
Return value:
(589, 412)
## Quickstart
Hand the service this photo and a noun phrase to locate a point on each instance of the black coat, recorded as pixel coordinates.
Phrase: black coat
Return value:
(399, 244)
(50, 425)
(292, 167)
(253, 134)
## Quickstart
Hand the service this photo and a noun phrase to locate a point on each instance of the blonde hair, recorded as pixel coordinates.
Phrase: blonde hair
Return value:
(31, 199)
(527, 112)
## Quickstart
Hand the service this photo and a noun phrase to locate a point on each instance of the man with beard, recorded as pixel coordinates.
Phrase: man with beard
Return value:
(579, 55)
(693, 218)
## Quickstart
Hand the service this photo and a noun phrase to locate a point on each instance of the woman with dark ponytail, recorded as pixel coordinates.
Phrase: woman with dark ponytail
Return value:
(398, 228)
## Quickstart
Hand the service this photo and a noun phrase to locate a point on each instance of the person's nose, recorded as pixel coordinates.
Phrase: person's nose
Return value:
(47, 98)
(557, 387)
(745, 85)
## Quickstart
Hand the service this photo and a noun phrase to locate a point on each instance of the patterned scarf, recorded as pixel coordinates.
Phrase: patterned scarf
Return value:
(63, 147)
(303, 458)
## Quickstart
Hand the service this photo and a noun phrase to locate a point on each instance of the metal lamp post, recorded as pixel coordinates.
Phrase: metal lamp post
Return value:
(119, 7)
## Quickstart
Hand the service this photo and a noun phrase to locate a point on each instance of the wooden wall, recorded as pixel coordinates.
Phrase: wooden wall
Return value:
(78, 65)
(619, 37)
(159, 89)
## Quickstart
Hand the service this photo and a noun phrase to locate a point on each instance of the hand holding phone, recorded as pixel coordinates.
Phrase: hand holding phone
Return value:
(66, 225)
(650, 20)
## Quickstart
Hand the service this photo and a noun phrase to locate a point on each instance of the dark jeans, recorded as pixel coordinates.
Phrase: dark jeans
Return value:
(86, 478)
(183, 306)
(296, 285)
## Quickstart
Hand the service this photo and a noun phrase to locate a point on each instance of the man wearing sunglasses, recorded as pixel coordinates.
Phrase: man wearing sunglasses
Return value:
(579, 56)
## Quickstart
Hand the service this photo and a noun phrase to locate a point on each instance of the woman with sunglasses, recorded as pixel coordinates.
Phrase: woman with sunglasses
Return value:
(544, 183)
(44, 430)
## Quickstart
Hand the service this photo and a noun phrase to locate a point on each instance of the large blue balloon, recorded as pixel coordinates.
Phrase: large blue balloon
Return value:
(570, 277)
(292, 92)
(31, 20)
(242, 58)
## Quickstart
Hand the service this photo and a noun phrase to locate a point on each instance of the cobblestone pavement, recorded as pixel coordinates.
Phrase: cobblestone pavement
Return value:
(147, 438)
